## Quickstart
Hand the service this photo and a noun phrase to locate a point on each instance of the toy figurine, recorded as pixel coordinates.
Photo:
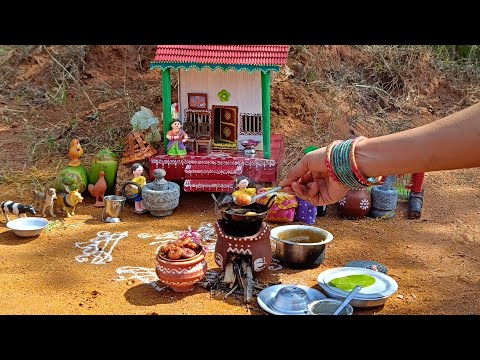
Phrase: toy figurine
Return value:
(243, 194)
(20, 210)
(98, 190)
(75, 174)
(75, 152)
(43, 201)
(68, 202)
(175, 111)
(177, 138)
(140, 180)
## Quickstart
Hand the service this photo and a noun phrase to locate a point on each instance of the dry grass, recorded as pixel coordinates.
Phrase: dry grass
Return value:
(463, 75)
(40, 74)
(57, 93)
(18, 185)
(51, 77)
(371, 83)
(368, 90)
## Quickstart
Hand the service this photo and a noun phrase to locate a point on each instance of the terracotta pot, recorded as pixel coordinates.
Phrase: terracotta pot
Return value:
(181, 275)
(355, 205)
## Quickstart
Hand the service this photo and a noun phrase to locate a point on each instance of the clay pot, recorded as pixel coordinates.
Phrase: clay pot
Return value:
(355, 205)
(181, 275)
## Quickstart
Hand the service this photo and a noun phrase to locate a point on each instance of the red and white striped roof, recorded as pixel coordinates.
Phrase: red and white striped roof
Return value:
(223, 54)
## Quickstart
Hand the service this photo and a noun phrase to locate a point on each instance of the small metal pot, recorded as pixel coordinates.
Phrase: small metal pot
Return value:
(300, 254)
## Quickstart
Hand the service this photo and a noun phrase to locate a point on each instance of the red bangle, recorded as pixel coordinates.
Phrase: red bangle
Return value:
(328, 163)
(362, 179)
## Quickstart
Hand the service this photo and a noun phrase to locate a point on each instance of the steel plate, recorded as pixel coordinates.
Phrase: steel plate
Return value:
(266, 296)
(369, 296)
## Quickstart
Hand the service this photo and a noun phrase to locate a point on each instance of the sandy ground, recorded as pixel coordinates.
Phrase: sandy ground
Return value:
(435, 260)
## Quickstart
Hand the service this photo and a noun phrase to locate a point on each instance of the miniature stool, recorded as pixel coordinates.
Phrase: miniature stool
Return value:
(203, 142)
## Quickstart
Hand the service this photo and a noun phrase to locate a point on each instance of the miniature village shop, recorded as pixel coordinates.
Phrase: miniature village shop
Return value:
(224, 108)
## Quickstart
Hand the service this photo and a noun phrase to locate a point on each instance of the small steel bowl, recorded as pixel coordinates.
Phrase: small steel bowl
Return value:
(249, 144)
(27, 226)
(291, 300)
(328, 307)
(300, 254)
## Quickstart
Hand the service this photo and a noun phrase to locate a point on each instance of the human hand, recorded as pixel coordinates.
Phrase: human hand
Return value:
(175, 137)
(309, 180)
(184, 140)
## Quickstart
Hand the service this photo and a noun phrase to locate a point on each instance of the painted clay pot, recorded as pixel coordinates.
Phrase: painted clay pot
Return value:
(181, 275)
(355, 205)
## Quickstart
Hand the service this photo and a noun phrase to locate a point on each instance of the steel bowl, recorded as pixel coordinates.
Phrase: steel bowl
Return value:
(298, 253)
(328, 307)
(291, 300)
(28, 226)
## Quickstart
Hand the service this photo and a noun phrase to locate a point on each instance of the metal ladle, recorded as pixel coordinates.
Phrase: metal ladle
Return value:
(349, 298)
(256, 197)
(217, 205)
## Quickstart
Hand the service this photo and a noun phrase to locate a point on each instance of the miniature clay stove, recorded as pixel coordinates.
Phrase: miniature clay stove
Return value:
(256, 246)
(241, 256)
(161, 196)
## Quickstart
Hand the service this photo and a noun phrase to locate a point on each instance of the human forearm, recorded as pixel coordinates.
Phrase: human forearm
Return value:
(449, 143)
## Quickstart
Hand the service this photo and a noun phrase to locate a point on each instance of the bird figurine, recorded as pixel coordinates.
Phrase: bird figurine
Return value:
(75, 152)
(98, 190)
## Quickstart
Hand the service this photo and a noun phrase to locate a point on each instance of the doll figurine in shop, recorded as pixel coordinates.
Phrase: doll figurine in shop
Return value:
(243, 194)
(137, 171)
(177, 138)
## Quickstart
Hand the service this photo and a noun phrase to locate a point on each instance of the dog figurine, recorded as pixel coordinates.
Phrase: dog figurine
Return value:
(68, 201)
(20, 210)
(43, 201)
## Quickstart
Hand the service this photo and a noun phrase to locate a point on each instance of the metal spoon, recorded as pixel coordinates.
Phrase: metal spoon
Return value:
(256, 197)
(217, 206)
(349, 298)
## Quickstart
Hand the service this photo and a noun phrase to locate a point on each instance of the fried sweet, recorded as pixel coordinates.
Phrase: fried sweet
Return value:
(188, 253)
(243, 199)
(175, 253)
(192, 245)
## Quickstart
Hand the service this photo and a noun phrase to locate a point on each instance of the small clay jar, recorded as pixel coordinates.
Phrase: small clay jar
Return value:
(355, 205)
(181, 275)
